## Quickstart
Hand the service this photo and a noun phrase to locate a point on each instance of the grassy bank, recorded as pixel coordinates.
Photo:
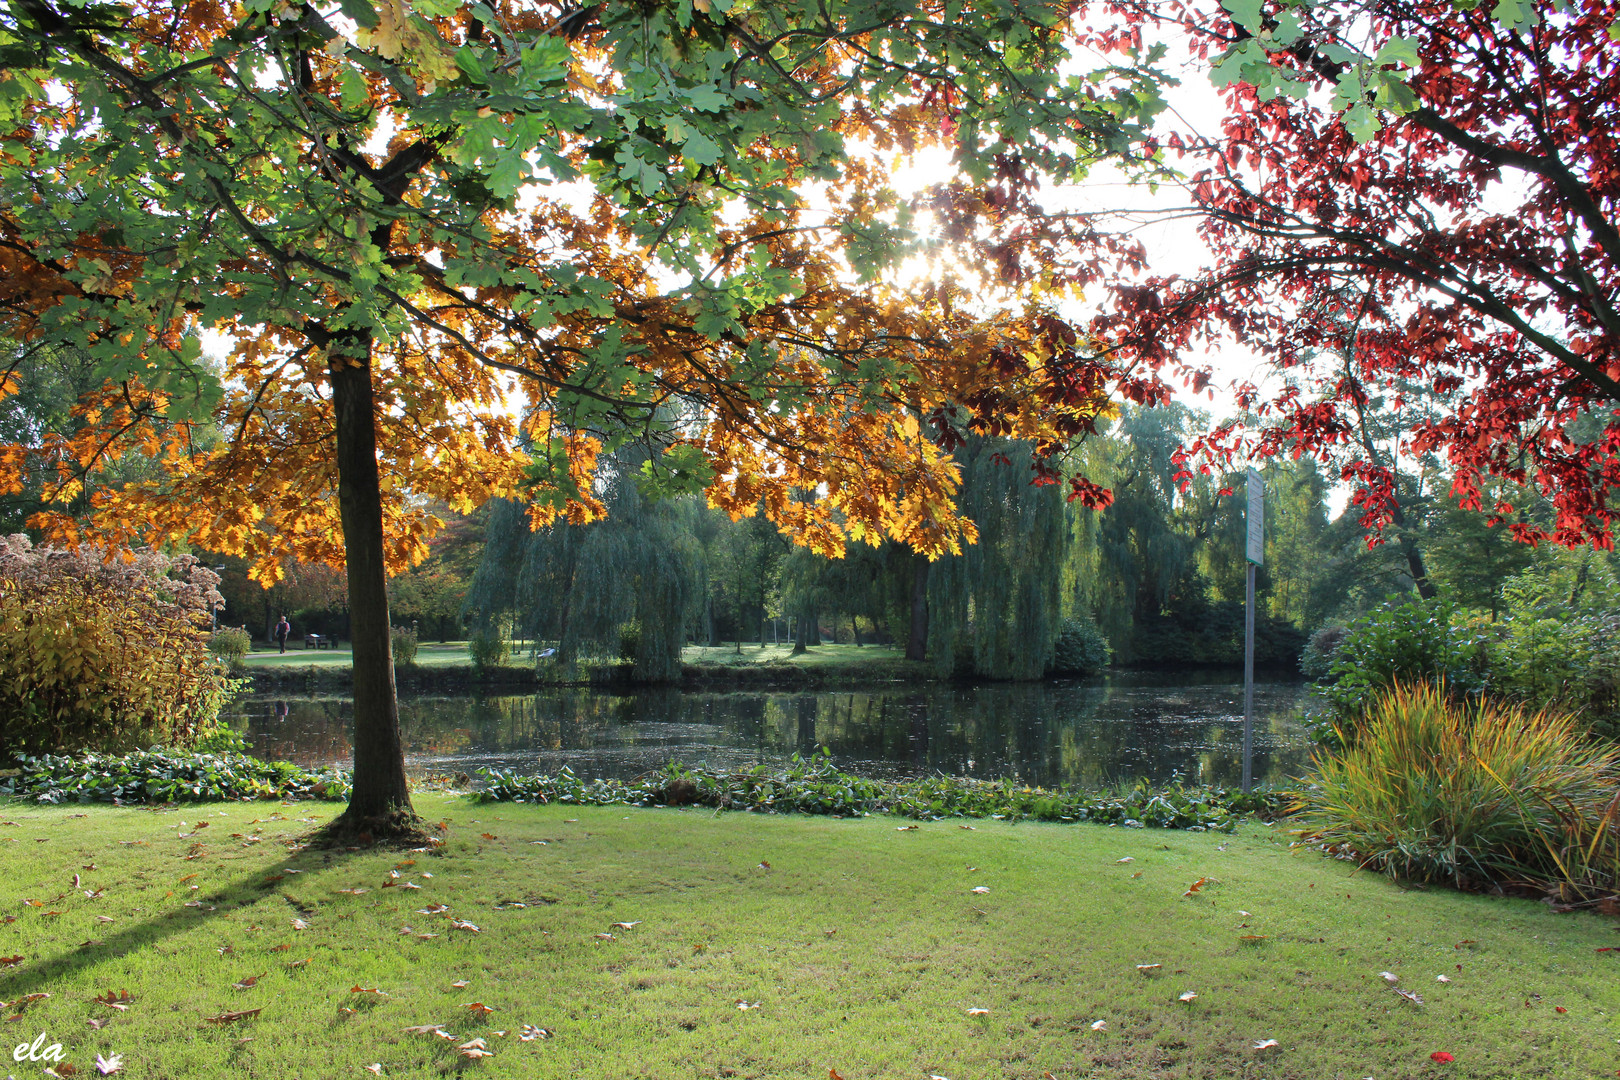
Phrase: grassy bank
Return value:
(448, 666)
(861, 943)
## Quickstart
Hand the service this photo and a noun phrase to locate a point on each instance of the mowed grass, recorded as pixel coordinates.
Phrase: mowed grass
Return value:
(434, 654)
(752, 655)
(862, 945)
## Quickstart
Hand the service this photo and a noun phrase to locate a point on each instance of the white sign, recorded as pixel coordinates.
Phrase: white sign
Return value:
(1256, 519)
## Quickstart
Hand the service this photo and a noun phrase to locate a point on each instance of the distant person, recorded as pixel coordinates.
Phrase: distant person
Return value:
(283, 631)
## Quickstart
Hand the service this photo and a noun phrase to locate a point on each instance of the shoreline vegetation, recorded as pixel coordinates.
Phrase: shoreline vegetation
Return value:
(811, 785)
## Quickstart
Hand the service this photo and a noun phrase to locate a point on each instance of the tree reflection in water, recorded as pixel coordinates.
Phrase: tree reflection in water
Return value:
(1095, 733)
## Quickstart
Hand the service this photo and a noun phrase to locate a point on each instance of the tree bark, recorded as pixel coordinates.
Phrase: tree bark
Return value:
(917, 644)
(381, 801)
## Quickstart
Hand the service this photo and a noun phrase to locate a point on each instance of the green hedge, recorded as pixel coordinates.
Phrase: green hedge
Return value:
(814, 786)
(161, 776)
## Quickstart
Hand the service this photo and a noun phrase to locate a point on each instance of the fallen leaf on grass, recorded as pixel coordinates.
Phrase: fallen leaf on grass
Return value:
(763, 865)
(460, 984)
(1442, 978)
(907, 828)
(10, 961)
(119, 1001)
(978, 1012)
(1409, 996)
(300, 924)
(1148, 969)
(97, 1022)
(233, 1017)
(425, 1029)
(478, 1008)
(980, 889)
(436, 909)
(1099, 1025)
(746, 1005)
(62, 1070)
(628, 925)
(463, 924)
(1188, 996)
(969, 828)
(298, 963)
(1251, 939)
(248, 983)
(104, 918)
(280, 948)
(354, 892)
(529, 1033)
(1266, 1044)
(1389, 977)
(375, 1068)
(487, 836)
(606, 937)
(474, 1050)
(1441, 1056)
(1560, 1008)
(110, 1064)
(1126, 859)
(1195, 886)
(368, 990)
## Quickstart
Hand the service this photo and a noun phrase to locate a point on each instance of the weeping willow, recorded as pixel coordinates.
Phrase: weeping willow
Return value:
(630, 581)
(995, 610)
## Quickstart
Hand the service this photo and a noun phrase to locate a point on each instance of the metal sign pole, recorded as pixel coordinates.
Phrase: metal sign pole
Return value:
(1255, 520)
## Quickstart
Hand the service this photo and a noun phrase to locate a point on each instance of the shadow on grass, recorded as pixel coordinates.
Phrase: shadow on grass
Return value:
(248, 889)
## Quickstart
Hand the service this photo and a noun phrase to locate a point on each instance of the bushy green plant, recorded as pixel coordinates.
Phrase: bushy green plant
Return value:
(1470, 793)
(629, 641)
(489, 649)
(104, 650)
(1080, 649)
(404, 639)
(230, 643)
(1319, 652)
(160, 776)
(220, 740)
(814, 786)
(1403, 641)
(1570, 663)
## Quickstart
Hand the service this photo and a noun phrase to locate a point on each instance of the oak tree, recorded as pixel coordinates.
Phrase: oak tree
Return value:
(461, 249)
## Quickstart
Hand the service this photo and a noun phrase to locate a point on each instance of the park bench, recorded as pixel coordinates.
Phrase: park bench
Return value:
(319, 641)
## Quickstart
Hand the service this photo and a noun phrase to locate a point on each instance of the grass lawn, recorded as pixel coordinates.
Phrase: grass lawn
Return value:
(454, 654)
(861, 944)
(448, 654)
(816, 656)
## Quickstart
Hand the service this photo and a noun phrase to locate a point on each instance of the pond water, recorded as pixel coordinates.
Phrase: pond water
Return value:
(1093, 733)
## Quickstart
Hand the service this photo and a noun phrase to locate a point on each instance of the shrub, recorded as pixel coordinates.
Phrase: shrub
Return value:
(630, 641)
(1411, 641)
(1570, 663)
(404, 639)
(1080, 649)
(814, 786)
(104, 651)
(155, 776)
(230, 643)
(1320, 651)
(1470, 793)
(489, 649)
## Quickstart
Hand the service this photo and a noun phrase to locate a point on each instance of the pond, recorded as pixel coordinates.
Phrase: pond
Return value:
(1093, 733)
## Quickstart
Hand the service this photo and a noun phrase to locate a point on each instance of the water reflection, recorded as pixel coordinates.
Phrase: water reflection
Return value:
(1094, 733)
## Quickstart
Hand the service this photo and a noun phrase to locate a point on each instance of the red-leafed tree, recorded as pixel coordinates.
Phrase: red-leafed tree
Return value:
(1400, 194)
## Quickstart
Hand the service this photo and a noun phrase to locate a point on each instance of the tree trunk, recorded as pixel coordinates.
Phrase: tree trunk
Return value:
(917, 644)
(798, 637)
(381, 801)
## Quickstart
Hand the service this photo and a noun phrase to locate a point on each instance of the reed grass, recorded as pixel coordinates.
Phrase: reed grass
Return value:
(1476, 794)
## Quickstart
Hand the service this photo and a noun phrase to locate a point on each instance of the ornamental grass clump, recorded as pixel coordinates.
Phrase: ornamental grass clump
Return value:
(1474, 794)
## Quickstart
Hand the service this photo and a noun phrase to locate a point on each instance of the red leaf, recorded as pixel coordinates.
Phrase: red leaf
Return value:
(1441, 1056)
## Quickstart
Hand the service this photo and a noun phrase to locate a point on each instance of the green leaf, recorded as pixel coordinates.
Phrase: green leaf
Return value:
(701, 149)
(1516, 14)
(709, 99)
(1362, 122)
(1246, 13)
(361, 11)
(1401, 50)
